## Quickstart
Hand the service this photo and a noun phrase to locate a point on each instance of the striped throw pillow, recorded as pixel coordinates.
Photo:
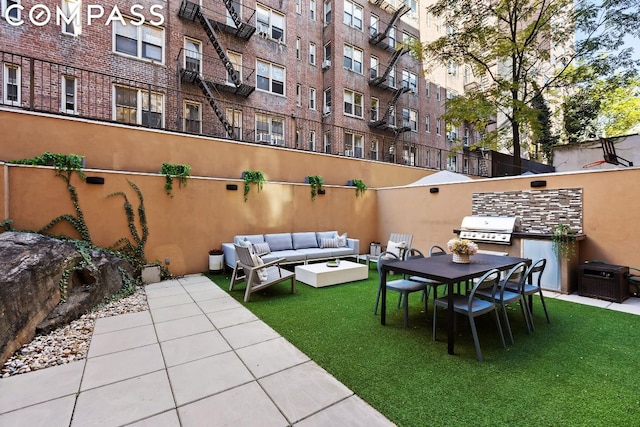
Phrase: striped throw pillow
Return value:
(328, 243)
(261, 248)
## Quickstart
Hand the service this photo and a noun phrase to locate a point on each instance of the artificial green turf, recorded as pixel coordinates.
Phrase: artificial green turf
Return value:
(579, 370)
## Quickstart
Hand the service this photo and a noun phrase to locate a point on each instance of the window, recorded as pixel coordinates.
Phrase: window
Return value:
(373, 73)
(14, 13)
(392, 77)
(410, 119)
(375, 108)
(72, 11)
(327, 12)
(312, 10)
(410, 81)
(438, 94)
(465, 139)
(465, 166)
(298, 7)
(413, 4)
(352, 14)
(298, 42)
(373, 149)
(192, 55)
(451, 94)
(299, 95)
(270, 77)
(143, 41)
(327, 142)
(352, 103)
(312, 99)
(192, 117)
(353, 145)
(452, 163)
(409, 155)
(136, 106)
(327, 51)
(234, 117)
(312, 140)
(374, 22)
(452, 69)
(11, 84)
(312, 53)
(392, 37)
(353, 58)
(452, 132)
(392, 116)
(236, 60)
(438, 123)
(270, 129)
(427, 85)
(428, 123)
(270, 22)
(68, 98)
(466, 75)
(237, 7)
(326, 107)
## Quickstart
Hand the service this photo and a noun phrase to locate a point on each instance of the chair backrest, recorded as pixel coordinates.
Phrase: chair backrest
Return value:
(490, 279)
(244, 255)
(413, 253)
(386, 258)
(518, 275)
(537, 268)
(397, 238)
(436, 250)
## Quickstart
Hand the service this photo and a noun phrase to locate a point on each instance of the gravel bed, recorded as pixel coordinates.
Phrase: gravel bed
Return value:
(71, 342)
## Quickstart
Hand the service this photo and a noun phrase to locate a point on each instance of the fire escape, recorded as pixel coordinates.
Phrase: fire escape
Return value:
(381, 39)
(193, 12)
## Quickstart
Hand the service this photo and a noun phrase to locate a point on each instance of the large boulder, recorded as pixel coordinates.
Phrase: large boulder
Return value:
(31, 268)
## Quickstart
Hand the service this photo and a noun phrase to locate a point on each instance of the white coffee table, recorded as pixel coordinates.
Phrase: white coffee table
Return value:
(320, 275)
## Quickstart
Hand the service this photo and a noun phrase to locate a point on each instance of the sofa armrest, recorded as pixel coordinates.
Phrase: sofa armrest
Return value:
(355, 245)
(229, 255)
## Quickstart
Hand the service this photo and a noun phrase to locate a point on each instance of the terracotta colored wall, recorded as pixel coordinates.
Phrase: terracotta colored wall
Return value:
(113, 147)
(610, 211)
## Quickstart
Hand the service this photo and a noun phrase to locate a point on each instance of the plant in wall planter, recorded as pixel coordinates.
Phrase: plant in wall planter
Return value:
(316, 185)
(361, 187)
(252, 177)
(564, 241)
(171, 171)
(216, 259)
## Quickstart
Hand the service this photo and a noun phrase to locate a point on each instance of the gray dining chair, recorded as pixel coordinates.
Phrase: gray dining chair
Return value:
(530, 289)
(403, 286)
(413, 253)
(472, 306)
(505, 296)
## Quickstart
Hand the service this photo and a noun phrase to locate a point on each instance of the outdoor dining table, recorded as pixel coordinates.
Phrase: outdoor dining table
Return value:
(444, 270)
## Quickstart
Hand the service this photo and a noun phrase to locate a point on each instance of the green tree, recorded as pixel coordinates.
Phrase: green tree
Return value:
(514, 44)
(621, 109)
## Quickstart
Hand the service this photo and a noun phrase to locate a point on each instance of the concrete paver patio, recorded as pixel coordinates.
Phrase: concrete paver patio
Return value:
(196, 358)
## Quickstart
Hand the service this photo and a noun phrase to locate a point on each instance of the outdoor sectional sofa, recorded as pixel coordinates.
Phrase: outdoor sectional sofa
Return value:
(294, 247)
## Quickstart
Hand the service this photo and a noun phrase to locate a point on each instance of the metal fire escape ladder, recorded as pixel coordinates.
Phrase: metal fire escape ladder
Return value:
(394, 59)
(383, 122)
(242, 29)
(204, 86)
(208, 28)
(232, 12)
(379, 36)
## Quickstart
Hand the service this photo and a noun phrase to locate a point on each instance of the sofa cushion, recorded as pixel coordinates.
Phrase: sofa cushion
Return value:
(253, 238)
(304, 240)
(279, 241)
(342, 240)
(326, 242)
(289, 256)
(325, 235)
(341, 252)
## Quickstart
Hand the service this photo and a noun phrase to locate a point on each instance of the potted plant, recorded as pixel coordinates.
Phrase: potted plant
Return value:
(252, 177)
(316, 185)
(564, 241)
(216, 259)
(361, 187)
(462, 249)
(170, 171)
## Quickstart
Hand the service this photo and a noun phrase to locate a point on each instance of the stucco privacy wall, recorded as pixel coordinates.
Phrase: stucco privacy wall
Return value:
(112, 147)
(610, 210)
(199, 217)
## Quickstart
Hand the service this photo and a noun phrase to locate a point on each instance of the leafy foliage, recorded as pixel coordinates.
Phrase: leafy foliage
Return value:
(361, 187)
(63, 163)
(564, 241)
(171, 171)
(252, 177)
(316, 182)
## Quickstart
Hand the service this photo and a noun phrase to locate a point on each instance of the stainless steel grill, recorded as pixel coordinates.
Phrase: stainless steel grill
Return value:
(489, 229)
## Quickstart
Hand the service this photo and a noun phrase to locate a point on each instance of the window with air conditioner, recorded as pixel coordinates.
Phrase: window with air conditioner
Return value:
(326, 64)
(270, 22)
(269, 129)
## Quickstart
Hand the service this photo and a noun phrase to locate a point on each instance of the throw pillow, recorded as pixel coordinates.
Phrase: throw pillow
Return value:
(328, 243)
(261, 248)
(396, 248)
(262, 272)
(342, 240)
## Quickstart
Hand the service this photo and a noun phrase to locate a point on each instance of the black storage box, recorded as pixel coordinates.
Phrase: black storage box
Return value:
(604, 281)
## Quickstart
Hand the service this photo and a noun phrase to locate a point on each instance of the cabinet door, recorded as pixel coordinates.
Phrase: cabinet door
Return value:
(536, 249)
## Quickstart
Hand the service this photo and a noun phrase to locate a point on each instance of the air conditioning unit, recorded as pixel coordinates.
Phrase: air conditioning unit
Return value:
(263, 137)
(327, 109)
(348, 153)
(263, 35)
(326, 64)
(277, 141)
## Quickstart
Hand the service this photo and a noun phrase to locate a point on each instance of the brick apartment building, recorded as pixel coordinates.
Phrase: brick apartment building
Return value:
(332, 76)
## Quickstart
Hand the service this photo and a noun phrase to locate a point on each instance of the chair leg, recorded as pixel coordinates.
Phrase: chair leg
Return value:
(476, 342)
(506, 320)
(375, 309)
(495, 312)
(406, 309)
(544, 306)
(435, 321)
(530, 326)
(525, 313)
(400, 299)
